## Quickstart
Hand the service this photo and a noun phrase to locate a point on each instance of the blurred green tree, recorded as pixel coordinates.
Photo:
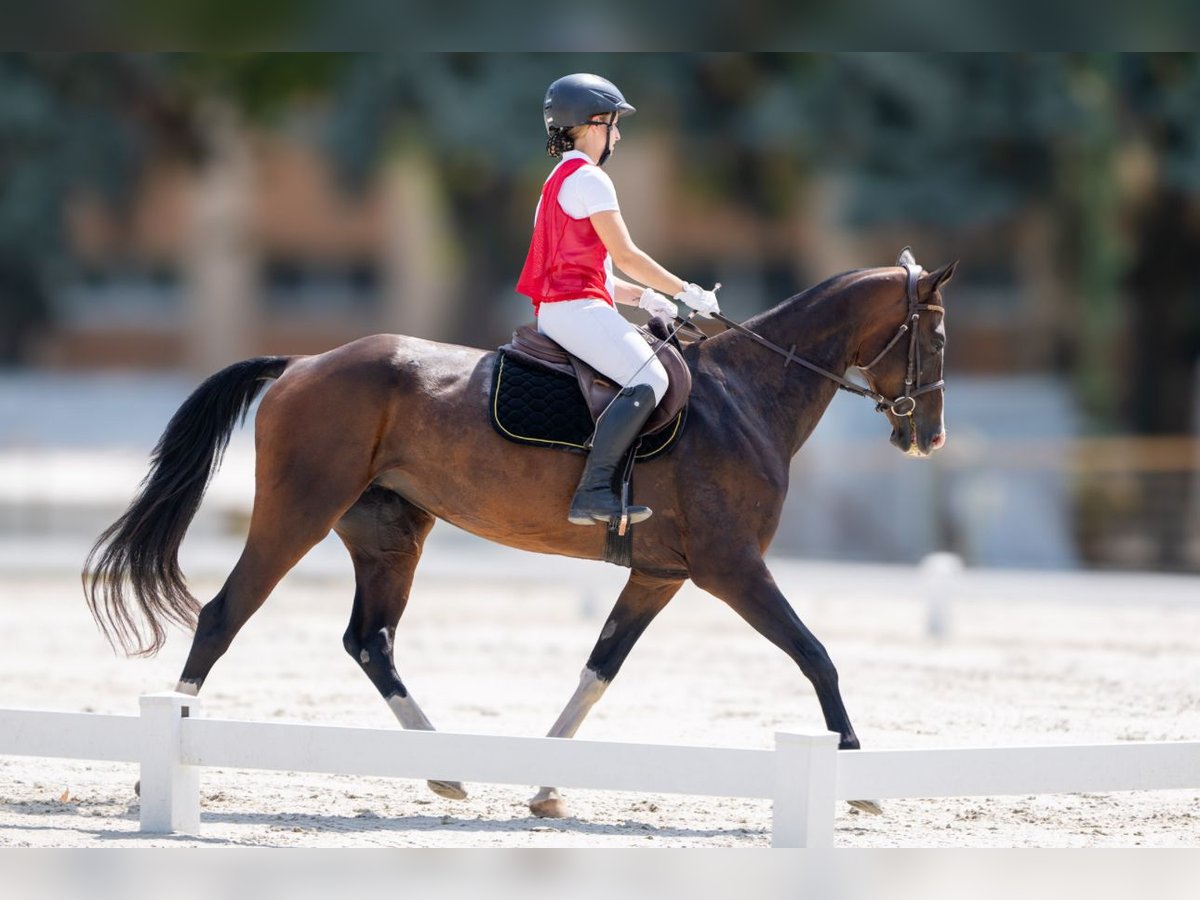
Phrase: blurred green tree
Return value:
(72, 121)
(58, 129)
(961, 140)
(1159, 115)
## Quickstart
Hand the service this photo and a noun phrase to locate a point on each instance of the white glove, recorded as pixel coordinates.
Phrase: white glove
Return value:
(702, 301)
(657, 305)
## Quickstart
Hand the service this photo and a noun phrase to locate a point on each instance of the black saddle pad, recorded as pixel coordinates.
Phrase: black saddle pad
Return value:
(543, 408)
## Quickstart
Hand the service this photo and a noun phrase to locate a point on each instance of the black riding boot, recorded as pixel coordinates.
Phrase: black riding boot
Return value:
(595, 499)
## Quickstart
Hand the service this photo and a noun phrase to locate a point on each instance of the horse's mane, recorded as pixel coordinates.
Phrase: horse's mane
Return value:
(810, 297)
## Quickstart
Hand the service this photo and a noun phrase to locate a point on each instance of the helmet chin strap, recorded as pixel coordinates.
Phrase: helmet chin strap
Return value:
(607, 139)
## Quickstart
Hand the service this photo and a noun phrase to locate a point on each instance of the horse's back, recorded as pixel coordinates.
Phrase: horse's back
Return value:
(383, 354)
(375, 370)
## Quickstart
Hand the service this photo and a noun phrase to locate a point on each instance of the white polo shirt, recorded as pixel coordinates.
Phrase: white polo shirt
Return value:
(584, 193)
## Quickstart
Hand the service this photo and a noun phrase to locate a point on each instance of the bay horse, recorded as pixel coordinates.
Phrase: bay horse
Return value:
(379, 438)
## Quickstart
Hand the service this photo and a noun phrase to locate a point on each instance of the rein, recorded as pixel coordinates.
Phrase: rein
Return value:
(906, 403)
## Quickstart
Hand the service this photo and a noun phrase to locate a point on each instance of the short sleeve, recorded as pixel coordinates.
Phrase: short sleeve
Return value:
(587, 192)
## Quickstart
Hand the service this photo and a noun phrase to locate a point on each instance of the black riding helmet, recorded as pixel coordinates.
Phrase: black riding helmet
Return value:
(573, 100)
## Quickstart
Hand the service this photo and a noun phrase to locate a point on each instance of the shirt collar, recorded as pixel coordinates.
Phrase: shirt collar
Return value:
(577, 154)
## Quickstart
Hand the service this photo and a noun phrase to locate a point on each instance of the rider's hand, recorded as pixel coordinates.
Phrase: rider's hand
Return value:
(702, 301)
(657, 305)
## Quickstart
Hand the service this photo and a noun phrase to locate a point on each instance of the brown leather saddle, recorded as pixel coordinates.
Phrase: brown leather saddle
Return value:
(531, 346)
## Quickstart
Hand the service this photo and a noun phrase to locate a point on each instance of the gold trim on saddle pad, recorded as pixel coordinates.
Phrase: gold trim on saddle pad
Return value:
(665, 439)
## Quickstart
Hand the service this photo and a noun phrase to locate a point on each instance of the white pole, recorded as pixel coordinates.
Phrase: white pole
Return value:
(805, 790)
(939, 580)
(170, 791)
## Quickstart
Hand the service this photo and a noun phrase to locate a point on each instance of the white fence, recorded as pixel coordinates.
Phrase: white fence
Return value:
(805, 776)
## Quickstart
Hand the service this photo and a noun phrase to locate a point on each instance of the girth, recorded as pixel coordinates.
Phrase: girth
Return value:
(531, 346)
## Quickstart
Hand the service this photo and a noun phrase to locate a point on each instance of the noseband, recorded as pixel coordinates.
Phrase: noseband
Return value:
(906, 403)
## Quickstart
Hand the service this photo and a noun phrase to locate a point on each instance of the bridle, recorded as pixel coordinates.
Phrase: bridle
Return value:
(906, 403)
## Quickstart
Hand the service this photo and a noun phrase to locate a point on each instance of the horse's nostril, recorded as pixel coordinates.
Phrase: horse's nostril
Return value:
(938, 441)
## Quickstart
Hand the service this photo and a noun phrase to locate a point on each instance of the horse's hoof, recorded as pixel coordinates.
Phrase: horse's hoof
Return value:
(451, 790)
(548, 804)
(553, 808)
(871, 807)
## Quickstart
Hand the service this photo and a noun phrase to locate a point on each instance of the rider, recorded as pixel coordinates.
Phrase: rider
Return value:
(577, 234)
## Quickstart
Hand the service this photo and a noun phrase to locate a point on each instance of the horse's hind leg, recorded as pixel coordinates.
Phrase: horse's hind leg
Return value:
(641, 600)
(384, 534)
(289, 518)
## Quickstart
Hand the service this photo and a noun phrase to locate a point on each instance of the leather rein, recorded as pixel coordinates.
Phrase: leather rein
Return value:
(906, 403)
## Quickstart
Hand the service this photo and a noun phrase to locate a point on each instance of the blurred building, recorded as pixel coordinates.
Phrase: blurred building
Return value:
(258, 251)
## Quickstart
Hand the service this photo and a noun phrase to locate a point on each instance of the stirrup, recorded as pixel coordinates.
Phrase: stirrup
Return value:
(606, 508)
(632, 515)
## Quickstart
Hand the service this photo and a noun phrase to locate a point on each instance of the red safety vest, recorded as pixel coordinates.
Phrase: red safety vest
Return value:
(566, 256)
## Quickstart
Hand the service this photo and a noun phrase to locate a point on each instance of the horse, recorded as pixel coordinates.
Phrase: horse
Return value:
(379, 438)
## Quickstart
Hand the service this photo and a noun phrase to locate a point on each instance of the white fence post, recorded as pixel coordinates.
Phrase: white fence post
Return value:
(939, 579)
(170, 791)
(805, 790)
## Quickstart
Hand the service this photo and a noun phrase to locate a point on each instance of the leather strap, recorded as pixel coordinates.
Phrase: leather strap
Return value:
(905, 403)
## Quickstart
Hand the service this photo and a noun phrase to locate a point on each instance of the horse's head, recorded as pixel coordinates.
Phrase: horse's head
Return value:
(903, 361)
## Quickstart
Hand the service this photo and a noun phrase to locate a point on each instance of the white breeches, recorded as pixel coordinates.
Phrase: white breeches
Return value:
(596, 333)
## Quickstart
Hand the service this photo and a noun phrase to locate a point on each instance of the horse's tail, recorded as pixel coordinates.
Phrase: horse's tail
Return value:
(137, 557)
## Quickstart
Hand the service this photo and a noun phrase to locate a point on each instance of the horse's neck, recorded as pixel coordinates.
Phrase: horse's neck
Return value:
(827, 325)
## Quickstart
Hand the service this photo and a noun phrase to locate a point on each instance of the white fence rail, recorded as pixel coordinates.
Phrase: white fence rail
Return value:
(804, 775)
(993, 771)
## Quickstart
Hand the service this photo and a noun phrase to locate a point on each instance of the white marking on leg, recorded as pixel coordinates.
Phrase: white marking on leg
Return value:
(187, 687)
(590, 689)
(408, 714)
(548, 801)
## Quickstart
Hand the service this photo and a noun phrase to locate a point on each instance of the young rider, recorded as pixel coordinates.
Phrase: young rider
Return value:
(578, 233)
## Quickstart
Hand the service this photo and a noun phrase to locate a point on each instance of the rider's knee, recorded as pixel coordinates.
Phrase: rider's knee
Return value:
(655, 376)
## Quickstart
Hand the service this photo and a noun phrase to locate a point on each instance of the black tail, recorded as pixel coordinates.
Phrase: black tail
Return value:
(139, 553)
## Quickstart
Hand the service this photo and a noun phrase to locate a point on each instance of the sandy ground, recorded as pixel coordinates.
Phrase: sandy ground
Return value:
(503, 656)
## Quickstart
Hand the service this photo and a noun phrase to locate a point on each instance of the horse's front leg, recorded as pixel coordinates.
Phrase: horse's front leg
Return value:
(747, 586)
(640, 601)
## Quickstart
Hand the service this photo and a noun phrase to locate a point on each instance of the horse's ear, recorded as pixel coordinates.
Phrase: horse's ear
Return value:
(906, 258)
(943, 275)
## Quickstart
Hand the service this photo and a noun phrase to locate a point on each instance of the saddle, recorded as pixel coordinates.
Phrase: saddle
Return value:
(531, 347)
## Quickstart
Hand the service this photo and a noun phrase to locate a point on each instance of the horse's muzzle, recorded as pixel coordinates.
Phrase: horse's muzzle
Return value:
(910, 441)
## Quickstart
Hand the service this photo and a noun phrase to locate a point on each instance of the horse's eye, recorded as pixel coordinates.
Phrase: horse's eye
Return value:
(939, 343)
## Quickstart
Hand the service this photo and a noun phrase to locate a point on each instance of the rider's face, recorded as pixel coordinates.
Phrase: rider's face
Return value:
(594, 138)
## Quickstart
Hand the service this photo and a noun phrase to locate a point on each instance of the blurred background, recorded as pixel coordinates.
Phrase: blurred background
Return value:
(162, 216)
